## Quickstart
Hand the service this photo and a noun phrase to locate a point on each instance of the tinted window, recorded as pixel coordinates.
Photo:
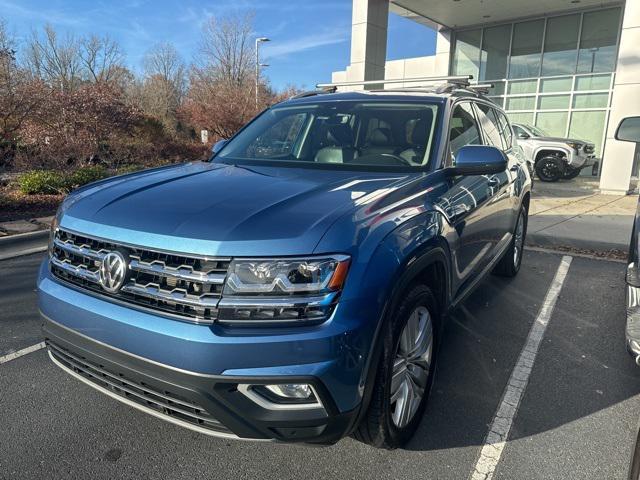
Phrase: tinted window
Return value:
(463, 129)
(505, 130)
(490, 126)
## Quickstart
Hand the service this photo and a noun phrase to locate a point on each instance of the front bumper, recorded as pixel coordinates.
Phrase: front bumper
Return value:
(135, 356)
(208, 404)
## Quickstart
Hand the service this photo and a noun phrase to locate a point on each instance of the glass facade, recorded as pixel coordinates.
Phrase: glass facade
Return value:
(554, 72)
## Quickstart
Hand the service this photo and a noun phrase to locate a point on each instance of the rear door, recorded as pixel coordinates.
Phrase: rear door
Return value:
(504, 202)
(467, 203)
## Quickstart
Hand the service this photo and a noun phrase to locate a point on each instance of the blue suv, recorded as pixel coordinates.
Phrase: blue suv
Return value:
(295, 286)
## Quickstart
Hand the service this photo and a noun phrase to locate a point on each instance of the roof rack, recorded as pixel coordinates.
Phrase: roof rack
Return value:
(457, 80)
(482, 88)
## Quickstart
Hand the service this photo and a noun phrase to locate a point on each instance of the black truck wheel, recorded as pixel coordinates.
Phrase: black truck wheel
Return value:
(550, 168)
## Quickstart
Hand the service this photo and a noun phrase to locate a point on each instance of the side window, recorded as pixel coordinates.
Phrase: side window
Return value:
(490, 126)
(463, 129)
(505, 130)
(518, 130)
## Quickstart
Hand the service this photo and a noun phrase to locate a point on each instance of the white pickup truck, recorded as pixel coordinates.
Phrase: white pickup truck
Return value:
(554, 158)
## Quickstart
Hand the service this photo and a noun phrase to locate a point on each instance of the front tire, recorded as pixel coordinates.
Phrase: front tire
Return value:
(550, 168)
(405, 373)
(509, 264)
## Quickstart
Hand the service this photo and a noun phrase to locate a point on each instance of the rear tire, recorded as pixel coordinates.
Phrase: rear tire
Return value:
(509, 264)
(395, 410)
(550, 168)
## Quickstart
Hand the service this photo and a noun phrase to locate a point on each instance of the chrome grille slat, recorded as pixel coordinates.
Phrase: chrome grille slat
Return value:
(77, 270)
(180, 285)
(183, 272)
(128, 388)
(154, 292)
(82, 250)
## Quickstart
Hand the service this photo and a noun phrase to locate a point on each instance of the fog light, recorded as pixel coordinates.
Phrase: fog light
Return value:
(291, 390)
(282, 396)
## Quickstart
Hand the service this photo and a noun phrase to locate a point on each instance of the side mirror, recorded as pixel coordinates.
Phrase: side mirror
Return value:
(478, 160)
(218, 146)
(523, 135)
(629, 130)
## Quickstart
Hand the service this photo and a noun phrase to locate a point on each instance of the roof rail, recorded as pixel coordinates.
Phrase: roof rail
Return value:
(482, 88)
(458, 80)
(309, 93)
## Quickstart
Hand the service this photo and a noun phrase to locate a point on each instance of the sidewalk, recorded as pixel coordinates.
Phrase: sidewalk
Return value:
(574, 214)
(24, 226)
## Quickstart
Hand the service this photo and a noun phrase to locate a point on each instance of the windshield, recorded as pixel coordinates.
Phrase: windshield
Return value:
(373, 134)
(537, 131)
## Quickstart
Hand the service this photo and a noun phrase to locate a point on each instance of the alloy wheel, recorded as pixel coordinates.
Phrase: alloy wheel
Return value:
(518, 243)
(411, 366)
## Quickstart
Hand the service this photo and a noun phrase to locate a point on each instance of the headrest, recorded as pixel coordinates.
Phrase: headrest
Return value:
(380, 137)
(422, 129)
(340, 134)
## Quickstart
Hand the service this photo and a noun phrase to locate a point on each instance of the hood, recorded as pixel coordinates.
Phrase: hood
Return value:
(217, 209)
(561, 140)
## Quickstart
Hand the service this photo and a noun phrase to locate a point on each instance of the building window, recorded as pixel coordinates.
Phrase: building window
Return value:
(554, 72)
(466, 59)
(495, 52)
(526, 49)
(598, 41)
(560, 45)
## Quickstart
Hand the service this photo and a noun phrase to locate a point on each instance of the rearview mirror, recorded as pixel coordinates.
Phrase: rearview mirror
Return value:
(218, 146)
(479, 160)
(629, 130)
(523, 135)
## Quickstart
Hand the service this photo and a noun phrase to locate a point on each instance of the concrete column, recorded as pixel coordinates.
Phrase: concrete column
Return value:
(368, 40)
(618, 157)
(443, 52)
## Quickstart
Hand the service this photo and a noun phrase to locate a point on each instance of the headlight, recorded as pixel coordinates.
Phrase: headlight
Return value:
(282, 290)
(575, 145)
(278, 277)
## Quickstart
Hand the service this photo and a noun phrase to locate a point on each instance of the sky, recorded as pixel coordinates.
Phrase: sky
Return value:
(310, 39)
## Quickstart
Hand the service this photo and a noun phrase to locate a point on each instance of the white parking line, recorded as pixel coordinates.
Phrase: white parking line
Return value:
(20, 353)
(503, 420)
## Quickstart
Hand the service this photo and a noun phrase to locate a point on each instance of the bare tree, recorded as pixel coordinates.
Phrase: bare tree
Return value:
(164, 84)
(227, 48)
(54, 60)
(101, 59)
(163, 61)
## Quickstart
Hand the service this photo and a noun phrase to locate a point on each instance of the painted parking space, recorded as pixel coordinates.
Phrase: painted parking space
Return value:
(71, 431)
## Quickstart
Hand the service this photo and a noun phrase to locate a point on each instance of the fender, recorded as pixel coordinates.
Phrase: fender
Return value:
(554, 148)
(431, 250)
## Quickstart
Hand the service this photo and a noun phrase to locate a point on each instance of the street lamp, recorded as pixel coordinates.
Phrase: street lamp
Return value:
(258, 64)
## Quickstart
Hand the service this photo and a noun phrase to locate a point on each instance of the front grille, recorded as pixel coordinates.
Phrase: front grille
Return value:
(189, 287)
(165, 402)
(588, 149)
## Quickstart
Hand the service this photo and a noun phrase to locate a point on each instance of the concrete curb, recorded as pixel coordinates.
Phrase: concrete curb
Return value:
(547, 241)
(23, 244)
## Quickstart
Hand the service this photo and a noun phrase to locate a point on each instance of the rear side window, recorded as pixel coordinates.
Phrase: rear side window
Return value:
(505, 130)
(491, 126)
(463, 128)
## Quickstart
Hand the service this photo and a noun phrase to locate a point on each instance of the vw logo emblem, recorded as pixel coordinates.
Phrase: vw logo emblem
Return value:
(113, 271)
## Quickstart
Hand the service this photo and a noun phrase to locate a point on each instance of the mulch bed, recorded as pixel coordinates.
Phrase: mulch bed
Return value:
(17, 206)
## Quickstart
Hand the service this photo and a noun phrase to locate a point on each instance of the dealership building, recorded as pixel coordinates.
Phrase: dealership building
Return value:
(570, 67)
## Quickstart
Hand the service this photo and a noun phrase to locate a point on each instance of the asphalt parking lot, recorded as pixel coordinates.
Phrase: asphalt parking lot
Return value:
(578, 416)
